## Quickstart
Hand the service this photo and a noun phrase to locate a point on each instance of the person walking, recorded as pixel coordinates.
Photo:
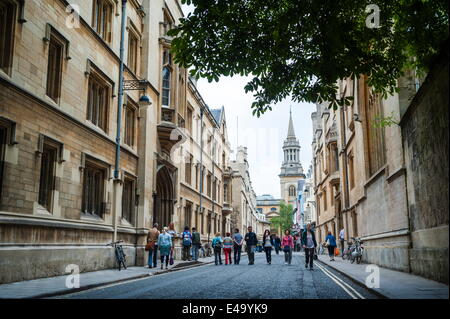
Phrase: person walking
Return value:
(217, 244)
(173, 233)
(288, 245)
(196, 243)
(277, 244)
(186, 238)
(227, 246)
(152, 245)
(165, 246)
(237, 246)
(331, 245)
(251, 241)
(309, 244)
(268, 244)
(342, 240)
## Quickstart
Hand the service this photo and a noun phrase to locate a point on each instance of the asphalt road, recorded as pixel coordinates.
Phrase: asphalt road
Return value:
(243, 281)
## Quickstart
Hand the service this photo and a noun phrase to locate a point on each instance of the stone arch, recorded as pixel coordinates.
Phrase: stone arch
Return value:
(164, 197)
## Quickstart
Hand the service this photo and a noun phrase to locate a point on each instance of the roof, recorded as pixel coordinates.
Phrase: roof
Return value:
(291, 132)
(218, 114)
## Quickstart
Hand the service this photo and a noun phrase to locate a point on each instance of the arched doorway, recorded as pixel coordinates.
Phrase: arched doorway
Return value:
(163, 203)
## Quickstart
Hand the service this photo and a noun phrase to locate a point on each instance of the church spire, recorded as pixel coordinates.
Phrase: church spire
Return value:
(291, 132)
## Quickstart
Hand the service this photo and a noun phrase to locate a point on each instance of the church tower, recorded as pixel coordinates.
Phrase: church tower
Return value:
(291, 168)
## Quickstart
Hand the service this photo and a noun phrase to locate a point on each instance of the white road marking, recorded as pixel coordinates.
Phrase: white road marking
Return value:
(342, 283)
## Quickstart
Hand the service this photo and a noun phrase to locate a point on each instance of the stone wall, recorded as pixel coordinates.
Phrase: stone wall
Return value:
(425, 142)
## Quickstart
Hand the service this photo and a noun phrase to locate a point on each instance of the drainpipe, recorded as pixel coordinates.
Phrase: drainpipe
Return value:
(201, 163)
(119, 106)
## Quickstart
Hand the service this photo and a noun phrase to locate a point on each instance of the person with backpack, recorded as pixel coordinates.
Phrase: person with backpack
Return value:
(288, 245)
(268, 243)
(237, 246)
(186, 241)
(165, 246)
(196, 243)
(217, 244)
(331, 245)
(309, 244)
(227, 246)
(251, 241)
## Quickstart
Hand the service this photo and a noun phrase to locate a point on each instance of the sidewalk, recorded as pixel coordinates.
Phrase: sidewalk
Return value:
(393, 284)
(52, 286)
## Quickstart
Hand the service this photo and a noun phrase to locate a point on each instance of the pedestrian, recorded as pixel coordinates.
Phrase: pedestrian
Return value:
(277, 244)
(237, 246)
(217, 244)
(251, 241)
(152, 245)
(172, 232)
(165, 246)
(288, 244)
(227, 246)
(268, 243)
(309, 244)
(331, 245)
(342, 240)
(186, 241)
(196, 243)
(298, 242)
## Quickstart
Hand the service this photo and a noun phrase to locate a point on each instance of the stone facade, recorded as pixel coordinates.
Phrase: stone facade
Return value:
(60, 199)
(382, 181)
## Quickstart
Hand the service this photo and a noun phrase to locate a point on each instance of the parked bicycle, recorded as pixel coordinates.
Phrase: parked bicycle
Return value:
(348, 250)
(207, 252)
(356, 251)
(321, 249)
(120, 255)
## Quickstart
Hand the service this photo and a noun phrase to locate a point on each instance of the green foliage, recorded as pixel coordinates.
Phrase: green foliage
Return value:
(301, 48)
(380, 122)
(284, 220)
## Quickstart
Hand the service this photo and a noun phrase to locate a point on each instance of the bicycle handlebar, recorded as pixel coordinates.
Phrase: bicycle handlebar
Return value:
(114, 243)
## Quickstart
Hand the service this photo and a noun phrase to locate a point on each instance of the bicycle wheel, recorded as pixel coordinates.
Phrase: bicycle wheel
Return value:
(124, 262)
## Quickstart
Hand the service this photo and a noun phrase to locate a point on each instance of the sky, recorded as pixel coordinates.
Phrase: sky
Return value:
(262, 136)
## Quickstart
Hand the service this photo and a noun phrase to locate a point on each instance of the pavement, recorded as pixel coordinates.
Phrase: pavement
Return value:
(392, 284)
(46, 287)
(259, 281)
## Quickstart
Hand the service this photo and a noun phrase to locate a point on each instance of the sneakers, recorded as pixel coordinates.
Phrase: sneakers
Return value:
(306, 265)
(285, 263)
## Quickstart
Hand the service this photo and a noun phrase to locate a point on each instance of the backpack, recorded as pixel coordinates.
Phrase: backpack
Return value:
(196, 238)
(187, 241)
(217, 244)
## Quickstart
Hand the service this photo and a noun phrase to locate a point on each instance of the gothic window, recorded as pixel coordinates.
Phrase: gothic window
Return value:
(373, 109)
(128, 202)
(130, 124)
(93, 188)
(292, 190)
(166, 86)
(47, 175)
(102, 19)
(98, 101)
(54, 67)
(133, 49)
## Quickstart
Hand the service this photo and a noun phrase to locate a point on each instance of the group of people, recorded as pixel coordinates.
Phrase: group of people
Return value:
(191, 244)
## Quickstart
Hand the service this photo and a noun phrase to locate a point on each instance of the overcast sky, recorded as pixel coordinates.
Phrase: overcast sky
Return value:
(262, 136)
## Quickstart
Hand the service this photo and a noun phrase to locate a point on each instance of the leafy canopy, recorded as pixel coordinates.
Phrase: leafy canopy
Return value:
(284, 220)
(302, 47)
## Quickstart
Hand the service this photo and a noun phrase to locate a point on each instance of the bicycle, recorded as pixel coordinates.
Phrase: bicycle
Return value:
(120, 255)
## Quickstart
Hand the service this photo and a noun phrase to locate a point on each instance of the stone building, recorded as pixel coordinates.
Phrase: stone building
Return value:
(244, 198)
(62, 196)
(376, 181)
(291, 168)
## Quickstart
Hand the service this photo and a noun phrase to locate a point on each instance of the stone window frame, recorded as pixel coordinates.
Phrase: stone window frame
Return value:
(8, 50)
(129, 178)
(9, 128)
(54, 37)
(133, 32)
(130, 105)
(108, 38)
(95, 163)
(43, 141)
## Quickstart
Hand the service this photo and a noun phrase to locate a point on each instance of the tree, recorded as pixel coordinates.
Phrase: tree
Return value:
(284, 220)
(302, 47)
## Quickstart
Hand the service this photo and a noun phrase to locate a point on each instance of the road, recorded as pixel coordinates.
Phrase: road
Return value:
(243, 281)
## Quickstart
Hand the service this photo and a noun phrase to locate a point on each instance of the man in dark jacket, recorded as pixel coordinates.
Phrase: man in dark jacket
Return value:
(196, 243)
(251, 242)
(310, 244)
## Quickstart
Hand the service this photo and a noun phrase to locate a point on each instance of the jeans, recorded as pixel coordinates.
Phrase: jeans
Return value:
(167, 259)
(217, 256)
(342, 247)
(195, 252)
(152, 256)
(227, 252)
(237, 254)
(331, 251)
(186, 253)
(277, 249)
(251, 254)
(288, 255)
(309, 257)
(268, 251)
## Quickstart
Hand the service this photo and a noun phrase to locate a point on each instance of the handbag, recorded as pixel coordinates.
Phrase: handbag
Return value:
(149, 246)
(286, 249)
(171, 258)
